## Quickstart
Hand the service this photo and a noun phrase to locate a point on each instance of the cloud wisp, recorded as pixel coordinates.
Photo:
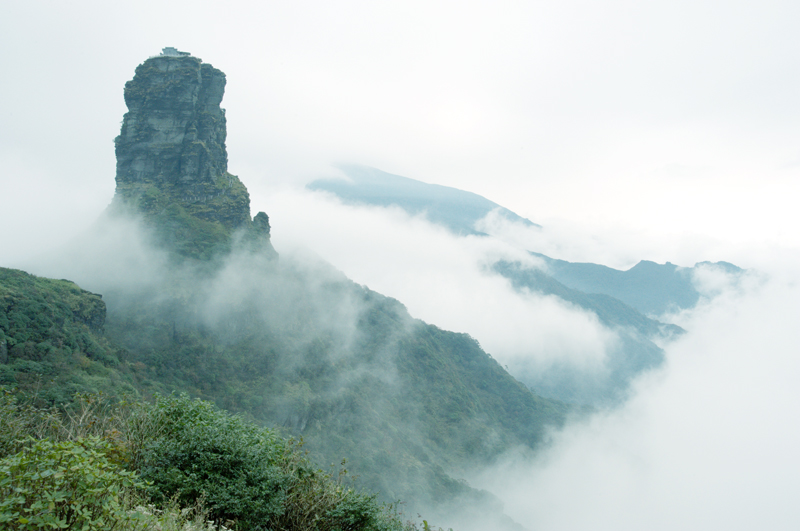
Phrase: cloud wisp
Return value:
(442, 279)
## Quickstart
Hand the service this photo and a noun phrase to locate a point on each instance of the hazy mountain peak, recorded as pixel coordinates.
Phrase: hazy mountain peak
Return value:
(458, 210)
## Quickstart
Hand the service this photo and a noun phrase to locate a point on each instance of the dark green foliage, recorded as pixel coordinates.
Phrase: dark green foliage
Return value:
(249, 475)
(357, 511)
(471, 403)
(201, 451)
(95, 453)
(51, 339)
(64, 485)
(410, 404)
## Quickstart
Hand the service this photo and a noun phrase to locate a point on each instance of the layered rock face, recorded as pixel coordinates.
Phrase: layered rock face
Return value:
(172, 165)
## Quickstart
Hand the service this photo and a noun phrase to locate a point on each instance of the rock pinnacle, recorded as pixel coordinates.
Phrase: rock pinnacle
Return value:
(172, 164)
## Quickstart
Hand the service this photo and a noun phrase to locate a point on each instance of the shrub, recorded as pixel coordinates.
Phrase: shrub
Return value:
(171, 517)
(317, 502)
(63, 485)
(206, 468)
(248, 474)
(204, 452)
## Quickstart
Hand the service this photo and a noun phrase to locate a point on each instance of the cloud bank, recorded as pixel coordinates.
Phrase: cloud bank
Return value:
(708, 442)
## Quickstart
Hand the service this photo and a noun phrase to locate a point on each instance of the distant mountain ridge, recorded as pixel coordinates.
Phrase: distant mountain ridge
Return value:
(651, 288)
(626, 302)
(635, 352)
(455, 209)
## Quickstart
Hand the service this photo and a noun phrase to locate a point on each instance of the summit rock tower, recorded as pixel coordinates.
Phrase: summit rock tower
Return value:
(172, 164)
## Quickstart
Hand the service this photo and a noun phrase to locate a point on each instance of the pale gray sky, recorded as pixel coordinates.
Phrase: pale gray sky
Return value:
(675, 120)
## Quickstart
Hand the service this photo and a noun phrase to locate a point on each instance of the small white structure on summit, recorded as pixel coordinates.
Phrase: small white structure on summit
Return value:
(169, 51)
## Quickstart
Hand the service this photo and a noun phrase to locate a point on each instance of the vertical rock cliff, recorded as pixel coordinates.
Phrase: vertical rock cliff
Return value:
(172, 165)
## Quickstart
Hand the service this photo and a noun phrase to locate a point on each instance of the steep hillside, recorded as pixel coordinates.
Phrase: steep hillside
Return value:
(348, 369)
(411, 406)
(51, 340)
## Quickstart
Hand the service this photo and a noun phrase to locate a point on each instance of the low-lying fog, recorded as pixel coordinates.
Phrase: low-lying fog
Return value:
(706, 442)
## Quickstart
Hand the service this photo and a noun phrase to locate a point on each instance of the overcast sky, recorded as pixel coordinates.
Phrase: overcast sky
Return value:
(663, 130)
(633, 121)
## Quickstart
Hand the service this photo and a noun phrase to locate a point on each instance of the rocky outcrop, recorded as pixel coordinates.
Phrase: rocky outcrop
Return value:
(172, 165)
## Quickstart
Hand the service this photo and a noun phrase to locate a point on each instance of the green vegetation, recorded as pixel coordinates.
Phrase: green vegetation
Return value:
(105, 465)
(347, 369)
(51, 338)
(291, 348)
(64, 485)
(410, 405)
(200, 229)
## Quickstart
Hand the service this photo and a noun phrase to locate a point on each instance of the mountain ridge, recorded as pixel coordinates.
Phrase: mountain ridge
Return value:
(630, 304)
(458, 210)
(651, 288)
